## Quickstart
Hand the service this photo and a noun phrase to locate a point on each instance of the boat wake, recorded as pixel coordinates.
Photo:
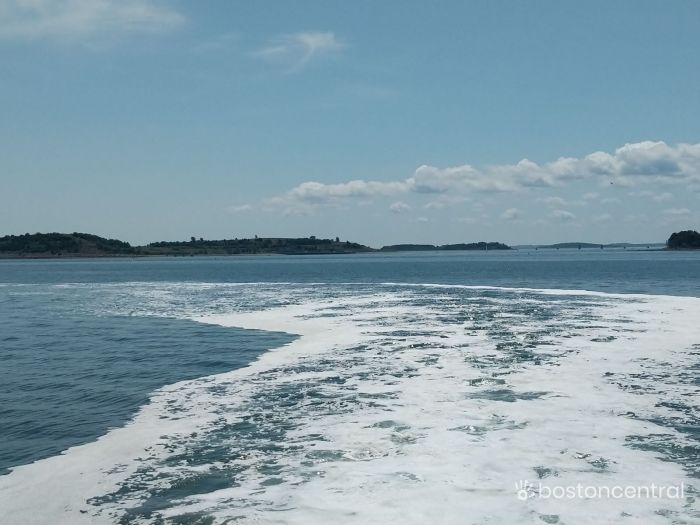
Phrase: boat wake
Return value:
(399, 404)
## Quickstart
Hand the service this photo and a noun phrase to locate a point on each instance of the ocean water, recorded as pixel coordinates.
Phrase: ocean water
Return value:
(405, 388)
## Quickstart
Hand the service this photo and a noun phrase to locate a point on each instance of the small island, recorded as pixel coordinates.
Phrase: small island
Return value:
(684, 240)
(53, 245)
(255, 246)
(461, 246)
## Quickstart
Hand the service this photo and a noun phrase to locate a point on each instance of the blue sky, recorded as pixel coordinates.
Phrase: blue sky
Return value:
(380, 122)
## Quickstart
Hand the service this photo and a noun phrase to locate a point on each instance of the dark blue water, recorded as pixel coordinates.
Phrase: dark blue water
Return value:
(76, 361)
(68, 376)
(626, 271)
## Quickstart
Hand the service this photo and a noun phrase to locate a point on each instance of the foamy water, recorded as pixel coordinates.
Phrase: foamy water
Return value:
(399, 404)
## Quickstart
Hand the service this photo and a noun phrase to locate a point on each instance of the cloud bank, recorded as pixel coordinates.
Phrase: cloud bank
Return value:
(632, 164)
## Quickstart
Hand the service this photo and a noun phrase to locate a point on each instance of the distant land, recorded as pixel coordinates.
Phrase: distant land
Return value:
(589, 245)
(685, 240)
(59, 244)
(432, 247)
(52, 245)
(46, 245)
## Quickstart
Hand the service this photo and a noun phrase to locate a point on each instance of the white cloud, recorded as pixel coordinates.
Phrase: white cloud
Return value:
(554, 202)
(653, 161)
(603, 217)
(647, 159)
(510, 214)
(240, 208)
(429, 179)
(677, 212)
(590, 196)
(78, 19)
(445, 200)
(318, 191)
(563, 215)
(308, 196)
(399, 207)
(641, 163)
(663, 197)
(466, 220)
(298, 49)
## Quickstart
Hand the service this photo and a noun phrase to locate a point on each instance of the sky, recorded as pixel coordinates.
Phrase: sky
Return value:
(378, 122)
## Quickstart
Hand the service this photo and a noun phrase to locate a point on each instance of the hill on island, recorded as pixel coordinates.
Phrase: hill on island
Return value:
(258, 245)
(45, 245)
(60, 244)
(431, 247)
(684, 240)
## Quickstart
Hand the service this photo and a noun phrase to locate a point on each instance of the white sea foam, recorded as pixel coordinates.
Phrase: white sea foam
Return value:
(407, 405)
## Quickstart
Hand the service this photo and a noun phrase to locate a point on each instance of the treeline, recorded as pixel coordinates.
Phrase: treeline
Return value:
(257, 245)
(84, 244)
(88, 245)
(62, 244)
(431, 247)
(684, 240)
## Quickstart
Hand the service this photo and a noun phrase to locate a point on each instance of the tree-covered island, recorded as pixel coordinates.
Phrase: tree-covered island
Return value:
(684, 240)
(50, 245)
